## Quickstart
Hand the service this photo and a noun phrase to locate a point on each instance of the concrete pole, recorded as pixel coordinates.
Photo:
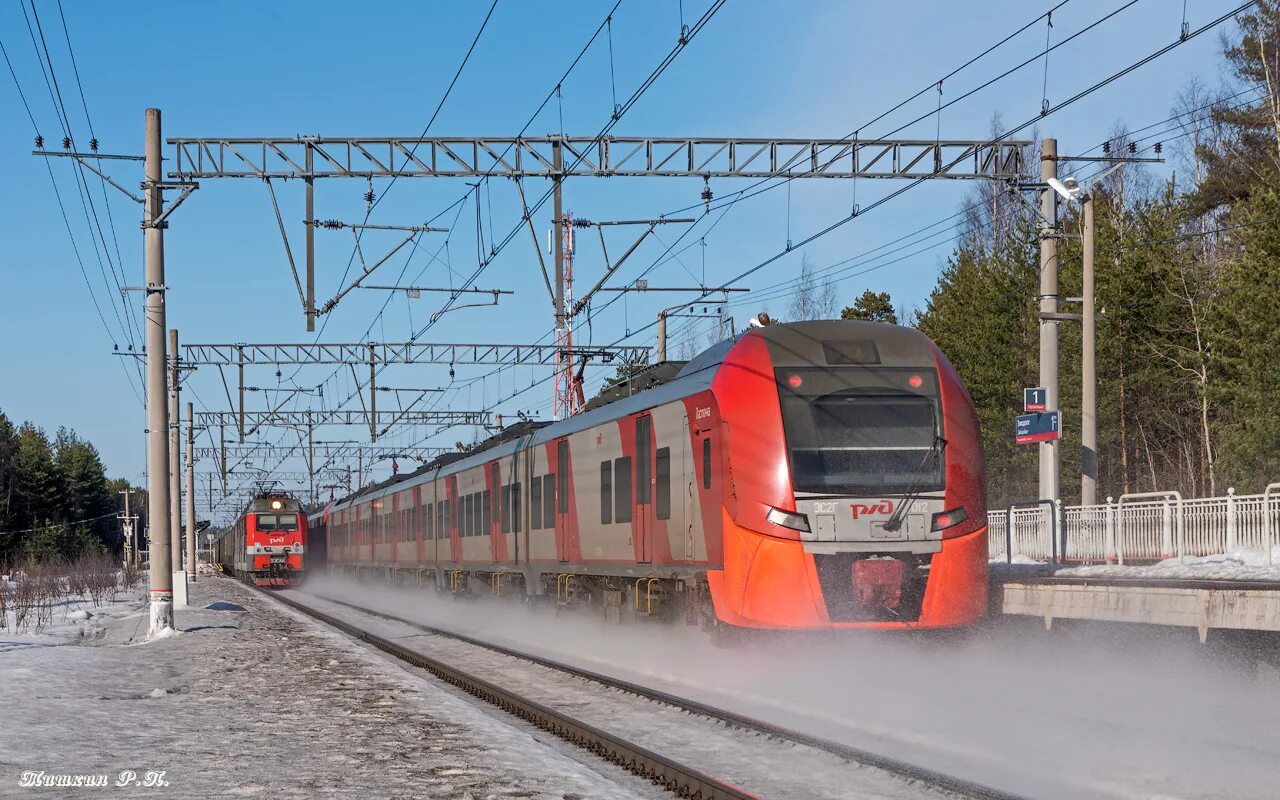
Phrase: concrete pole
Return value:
(1088, 369)
(662, 336)
(1050, 464)
(191, 493)
(161, 579)
(128, 528)
(175, 459)
(311, 243)
(557, 162)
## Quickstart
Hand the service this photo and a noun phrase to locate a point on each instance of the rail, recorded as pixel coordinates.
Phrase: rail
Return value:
(683, 781)
(911, 772)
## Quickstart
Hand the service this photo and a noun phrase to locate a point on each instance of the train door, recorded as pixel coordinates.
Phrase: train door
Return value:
(643, 525)
(561, 499)
(689, 492)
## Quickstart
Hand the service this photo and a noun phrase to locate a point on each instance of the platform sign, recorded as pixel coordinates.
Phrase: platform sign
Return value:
(1035, 399)
(1039, 427)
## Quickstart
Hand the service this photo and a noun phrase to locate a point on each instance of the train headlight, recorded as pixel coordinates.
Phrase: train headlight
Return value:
(277, 504)
(948, 519)
(796, 522)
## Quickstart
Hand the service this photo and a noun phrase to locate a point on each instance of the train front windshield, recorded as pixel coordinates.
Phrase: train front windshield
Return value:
(861, 431)
(278, 522)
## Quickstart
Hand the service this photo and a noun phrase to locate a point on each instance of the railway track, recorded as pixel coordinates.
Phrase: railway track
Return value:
(680, 779)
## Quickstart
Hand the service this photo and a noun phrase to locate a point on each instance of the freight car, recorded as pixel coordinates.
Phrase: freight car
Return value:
(813, 475)
(268, 542)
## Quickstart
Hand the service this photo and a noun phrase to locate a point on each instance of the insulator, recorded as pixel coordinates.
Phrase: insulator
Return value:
(1158, 148)
(706, 192)
(66, 142)
(93, 144)
(1106, 147)
(39, 142)
(1133, 147)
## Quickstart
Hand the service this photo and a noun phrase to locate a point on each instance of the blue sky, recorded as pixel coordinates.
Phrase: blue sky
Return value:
(284, 68)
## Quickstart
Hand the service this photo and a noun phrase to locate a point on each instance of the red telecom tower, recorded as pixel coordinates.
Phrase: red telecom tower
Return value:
(568, 396)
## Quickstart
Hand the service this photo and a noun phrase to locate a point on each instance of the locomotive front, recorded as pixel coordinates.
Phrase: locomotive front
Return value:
(858, 482)
(275, 538)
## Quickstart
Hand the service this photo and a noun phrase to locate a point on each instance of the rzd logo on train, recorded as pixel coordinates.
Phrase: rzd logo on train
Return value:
(863, 509)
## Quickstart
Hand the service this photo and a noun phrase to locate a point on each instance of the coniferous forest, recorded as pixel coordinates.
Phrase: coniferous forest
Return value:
(55, 498)
(1188, 276)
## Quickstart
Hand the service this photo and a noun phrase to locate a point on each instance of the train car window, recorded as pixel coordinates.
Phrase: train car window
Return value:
(535, 504)
(706, 463)
(477, 512)
(506, 508)
(662, 474)
(622, 489)
(515, 507)
(431, 533)
(486, 522)
(562, 472)
(644, 432)
(549, 500)
(442, 527)
(606, 492)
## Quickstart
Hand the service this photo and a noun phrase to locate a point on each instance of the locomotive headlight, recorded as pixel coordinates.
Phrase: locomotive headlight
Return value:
(948, 519)
(277, 504)
(796, 522)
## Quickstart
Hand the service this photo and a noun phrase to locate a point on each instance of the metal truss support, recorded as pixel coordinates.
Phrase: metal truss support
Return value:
(242, 355)
(309, 158)
(259, 419)
(325, 451)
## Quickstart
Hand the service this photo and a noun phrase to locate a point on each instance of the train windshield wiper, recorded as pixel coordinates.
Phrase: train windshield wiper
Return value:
(894, 523)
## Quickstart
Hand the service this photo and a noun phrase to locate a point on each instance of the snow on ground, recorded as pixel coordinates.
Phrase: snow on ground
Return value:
(1243, 564)
(740, 757)
(1098, 712)
(260, 703)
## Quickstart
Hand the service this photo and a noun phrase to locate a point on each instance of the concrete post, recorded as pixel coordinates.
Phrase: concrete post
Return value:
(161, 578)
(1088, 369)
(191, 493)
(175, 464)
(1049, 451)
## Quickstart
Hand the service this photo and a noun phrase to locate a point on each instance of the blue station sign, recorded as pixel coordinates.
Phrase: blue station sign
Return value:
(1042, 426)
(1035, 399)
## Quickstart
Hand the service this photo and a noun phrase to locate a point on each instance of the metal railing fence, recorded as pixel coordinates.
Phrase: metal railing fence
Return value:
(1145, 527)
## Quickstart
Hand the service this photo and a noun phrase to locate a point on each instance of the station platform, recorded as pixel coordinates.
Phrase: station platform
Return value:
(1204, 605)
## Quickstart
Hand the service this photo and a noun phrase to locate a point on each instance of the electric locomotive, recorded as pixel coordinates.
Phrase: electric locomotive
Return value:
(812, 475)
(268, 542)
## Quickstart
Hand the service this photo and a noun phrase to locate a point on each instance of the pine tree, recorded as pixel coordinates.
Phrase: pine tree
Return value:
(8, 444)
(1245, 337)
(873, 307)
(36, 493)
(85, 491)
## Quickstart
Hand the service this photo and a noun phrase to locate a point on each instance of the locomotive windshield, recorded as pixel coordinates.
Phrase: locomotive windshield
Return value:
(277, 522)
(861, 431)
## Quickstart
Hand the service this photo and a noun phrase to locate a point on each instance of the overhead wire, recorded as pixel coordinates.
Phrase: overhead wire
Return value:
(1187, 36)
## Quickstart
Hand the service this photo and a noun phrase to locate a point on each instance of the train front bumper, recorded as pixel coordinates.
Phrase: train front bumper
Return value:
(772, 583)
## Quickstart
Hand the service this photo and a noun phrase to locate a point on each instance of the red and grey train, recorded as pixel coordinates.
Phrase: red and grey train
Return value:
(813, 475)
(268, 543)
